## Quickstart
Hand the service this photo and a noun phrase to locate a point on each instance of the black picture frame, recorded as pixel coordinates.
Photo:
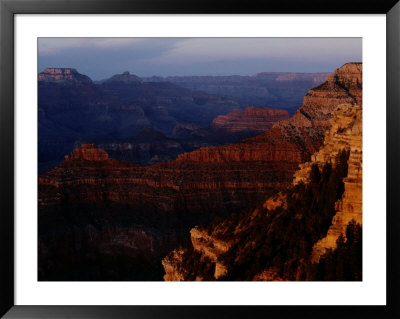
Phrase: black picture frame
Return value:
(8, 8)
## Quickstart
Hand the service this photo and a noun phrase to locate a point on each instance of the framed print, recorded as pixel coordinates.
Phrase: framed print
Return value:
(161, 159)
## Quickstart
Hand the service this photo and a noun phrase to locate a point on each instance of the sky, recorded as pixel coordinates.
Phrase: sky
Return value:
(100, 58)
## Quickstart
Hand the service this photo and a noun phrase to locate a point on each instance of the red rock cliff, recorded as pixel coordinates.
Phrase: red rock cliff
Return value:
(256, 119)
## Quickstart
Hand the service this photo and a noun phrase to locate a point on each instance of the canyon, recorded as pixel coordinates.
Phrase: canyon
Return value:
(276, 89)
(74, 110)
(93, 201)
(72, 107)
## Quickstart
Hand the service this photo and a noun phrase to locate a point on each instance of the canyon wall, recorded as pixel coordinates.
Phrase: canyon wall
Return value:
(346, 133)
(256, 119)
(212, 243)
(329, 121)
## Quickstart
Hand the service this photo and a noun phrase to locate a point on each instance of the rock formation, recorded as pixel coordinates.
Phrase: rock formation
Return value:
(88, 152)
(255, 119)
(63, 76)
(211, 248)
(346, 133)
(328, 122)
(171, 264)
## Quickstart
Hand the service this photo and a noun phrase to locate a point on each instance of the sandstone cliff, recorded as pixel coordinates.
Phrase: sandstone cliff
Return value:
(346, 133)
(256, 119)
(332, 115)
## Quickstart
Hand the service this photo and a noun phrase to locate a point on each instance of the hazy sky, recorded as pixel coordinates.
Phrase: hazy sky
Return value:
(101, 58)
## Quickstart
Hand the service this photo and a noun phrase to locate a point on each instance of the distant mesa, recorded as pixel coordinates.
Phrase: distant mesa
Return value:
(125, 77)
(255, 119)
(63, 76)
(88, 152)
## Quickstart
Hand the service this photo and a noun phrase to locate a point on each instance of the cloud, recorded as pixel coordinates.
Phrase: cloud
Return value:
(50, 46)
(211, 49)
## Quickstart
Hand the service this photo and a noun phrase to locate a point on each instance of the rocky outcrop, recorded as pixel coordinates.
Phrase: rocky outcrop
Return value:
(171, 264)
(346, 133)
(207, 250)
(211, 248)
(88, 152)
(255, 119)
(63, 76)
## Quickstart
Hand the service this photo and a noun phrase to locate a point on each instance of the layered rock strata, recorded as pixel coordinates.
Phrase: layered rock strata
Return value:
(255, 119)
(330, 119)
(295, 139)
(346, 133)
